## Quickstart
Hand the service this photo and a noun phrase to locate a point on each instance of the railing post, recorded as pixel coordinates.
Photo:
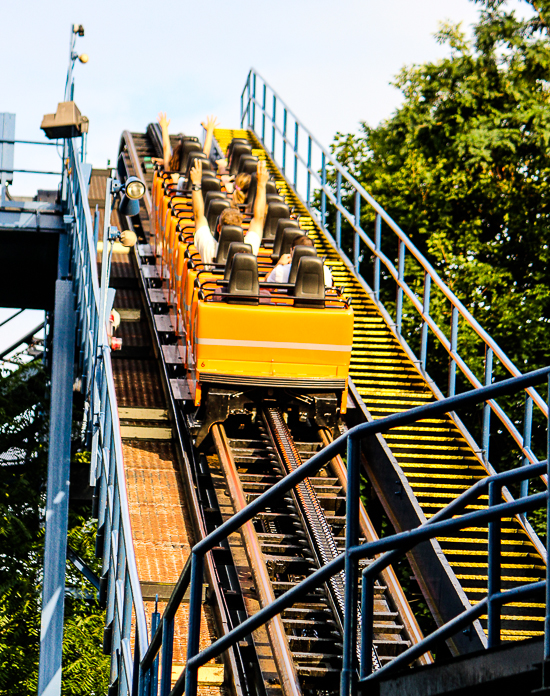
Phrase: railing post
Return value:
(167, 654)
(367, 619)
(254, 102)
(284, 140)
(356, 237)
(452, 363)
(400, 278)
(308, 193)
(193, 631)
(296, 127)
(338, 213)
(273, 130)
(154, 671)
(377, 245)
(263, 112)
(494, 569)
(323, 192)
(486, 425)
(349, 658)
(426, 311)
(527, 430)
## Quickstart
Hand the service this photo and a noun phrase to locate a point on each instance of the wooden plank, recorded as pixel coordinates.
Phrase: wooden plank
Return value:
(141, 432)
(154, 414)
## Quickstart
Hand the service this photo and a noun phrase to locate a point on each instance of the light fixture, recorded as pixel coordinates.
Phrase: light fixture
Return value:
(134, 188)
(67, 122)
(83, 58)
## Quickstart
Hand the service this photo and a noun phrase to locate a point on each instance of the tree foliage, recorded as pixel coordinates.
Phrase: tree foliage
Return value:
(463, 167)
(23, 466)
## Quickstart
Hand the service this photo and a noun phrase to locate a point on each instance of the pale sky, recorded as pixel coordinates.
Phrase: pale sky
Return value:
(331, 62)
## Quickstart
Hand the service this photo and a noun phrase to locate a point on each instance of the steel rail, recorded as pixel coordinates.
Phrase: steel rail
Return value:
(277, 637)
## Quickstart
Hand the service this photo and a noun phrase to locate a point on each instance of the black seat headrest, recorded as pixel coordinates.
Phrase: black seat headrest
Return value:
(210, 184)
(289, 235)
(282, 225)
(235, 248)
(214, 210)
(228, 235)
(270, 190)
(239, 149)
(244, 287)
(299, 252)
(275, 211)
(187, 147)
(210, 196)
(192, 158)
(248, 164)
(154, 134)
(309, 289)
(235, 141)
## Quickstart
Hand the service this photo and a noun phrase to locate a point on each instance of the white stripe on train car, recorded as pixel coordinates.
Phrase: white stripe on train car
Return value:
(271, 344)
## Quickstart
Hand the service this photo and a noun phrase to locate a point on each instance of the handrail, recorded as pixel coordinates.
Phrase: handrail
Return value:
(192, 574)
(120, 588)
(302, 153)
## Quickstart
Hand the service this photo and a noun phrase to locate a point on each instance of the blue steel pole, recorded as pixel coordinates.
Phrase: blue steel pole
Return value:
(284, 141)
(308, 192)
(338, 212)
(263, 112)
(193, 642)
(527, 429)
(296, 127)
(452, 362)
(426, 311)
(356, 238)
(400, 277)
(57, 504)
(273, 121)
(167, 654)
(377, 245)
(494, 570)
(349, 674)
(323, 192)
(254, 102)
(367, 620)
(486, 426)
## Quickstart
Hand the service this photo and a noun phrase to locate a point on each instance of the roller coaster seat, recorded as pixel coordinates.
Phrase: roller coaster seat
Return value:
(235, 248)
(275, 211)
(214, 210)
(297, 256)
(238, 150)
(309, 288)
(235, 141)
(188, 146)
(244, 287)
(248, 164)
(282, 225)
(229, 234)
(270, 189)
(288, 236)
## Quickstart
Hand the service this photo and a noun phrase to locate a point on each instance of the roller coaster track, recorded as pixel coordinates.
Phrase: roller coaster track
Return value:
(415, 471)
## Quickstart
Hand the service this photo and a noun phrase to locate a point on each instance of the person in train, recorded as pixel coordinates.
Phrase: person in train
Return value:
(281, 272)
(204, 240)
(171, 159)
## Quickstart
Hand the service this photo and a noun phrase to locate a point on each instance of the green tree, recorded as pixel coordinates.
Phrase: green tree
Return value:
(463, 168)
(23, 465)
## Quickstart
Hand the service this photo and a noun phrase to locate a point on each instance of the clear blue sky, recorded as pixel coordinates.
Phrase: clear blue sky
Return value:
(332, 62)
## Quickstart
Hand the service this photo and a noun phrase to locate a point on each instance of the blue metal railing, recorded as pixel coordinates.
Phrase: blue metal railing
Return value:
(304, 161)
(395, 545)
(120, 583)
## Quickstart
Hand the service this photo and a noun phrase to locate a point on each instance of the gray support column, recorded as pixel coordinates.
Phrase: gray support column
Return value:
(57, 506)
